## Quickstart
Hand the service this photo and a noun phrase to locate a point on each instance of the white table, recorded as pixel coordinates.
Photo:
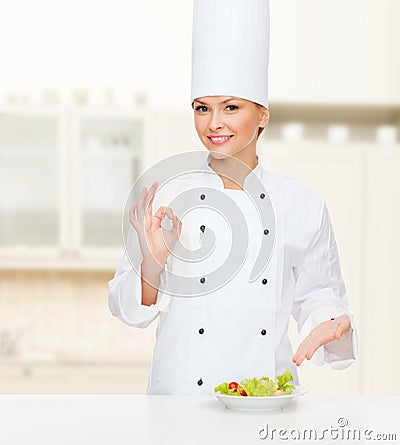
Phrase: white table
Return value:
(172, 420)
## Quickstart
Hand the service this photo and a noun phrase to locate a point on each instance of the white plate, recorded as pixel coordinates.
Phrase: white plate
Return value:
(256, 403)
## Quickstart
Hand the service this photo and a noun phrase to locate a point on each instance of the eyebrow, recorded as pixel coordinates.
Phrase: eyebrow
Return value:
(223, 102)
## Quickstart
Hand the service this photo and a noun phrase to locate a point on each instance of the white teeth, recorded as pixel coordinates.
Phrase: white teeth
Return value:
(220, 138)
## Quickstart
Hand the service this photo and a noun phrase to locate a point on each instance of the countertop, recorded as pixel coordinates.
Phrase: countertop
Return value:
(73, 361)
(176, 420)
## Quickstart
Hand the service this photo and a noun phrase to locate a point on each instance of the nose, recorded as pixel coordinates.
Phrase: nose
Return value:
(215, 122)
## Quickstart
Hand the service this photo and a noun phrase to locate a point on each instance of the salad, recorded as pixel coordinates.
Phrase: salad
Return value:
(259, 387)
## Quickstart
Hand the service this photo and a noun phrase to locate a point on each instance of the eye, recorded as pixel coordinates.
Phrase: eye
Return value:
(201, 108)
(233, 107)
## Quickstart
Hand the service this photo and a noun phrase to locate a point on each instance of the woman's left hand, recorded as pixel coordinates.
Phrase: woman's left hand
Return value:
(324, 333)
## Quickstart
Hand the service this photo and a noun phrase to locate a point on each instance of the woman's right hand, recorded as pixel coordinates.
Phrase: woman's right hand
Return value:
(155, 242)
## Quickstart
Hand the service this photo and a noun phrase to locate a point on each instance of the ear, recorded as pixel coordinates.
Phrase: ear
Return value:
(264, 116)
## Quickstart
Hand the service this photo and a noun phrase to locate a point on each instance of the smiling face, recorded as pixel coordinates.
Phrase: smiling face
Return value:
(229, 125)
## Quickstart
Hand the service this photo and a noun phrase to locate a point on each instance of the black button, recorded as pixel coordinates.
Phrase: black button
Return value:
(263, 332)
(202, 197)
(266, 231)
(202, 280)
(264, 281)
(262, 196)
(201, 331)
(202, 228)
(200, 382)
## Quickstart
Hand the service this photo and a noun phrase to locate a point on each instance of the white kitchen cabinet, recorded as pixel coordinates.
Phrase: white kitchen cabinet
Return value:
(31, 155)
(106, 158)
(65, 173)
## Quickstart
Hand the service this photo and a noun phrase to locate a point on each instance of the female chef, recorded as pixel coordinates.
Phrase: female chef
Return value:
(238, 330)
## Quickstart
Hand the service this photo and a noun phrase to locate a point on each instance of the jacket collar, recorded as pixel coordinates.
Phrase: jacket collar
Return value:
(257, 172)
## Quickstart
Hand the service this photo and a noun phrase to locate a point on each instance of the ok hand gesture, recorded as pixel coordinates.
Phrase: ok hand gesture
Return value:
(155, 242)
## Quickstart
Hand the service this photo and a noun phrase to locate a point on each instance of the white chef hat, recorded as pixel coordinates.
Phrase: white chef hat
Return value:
(230, 49)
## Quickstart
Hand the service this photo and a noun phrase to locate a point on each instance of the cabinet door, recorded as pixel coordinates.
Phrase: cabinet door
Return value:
(336, 173)
(382, 257)
(30, 172)
(107, 150)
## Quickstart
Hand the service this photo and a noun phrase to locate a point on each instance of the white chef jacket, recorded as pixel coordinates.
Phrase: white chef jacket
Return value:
(240, 330)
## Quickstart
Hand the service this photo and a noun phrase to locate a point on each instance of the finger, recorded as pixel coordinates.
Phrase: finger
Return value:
(304, 345)
(307, 349)
(141, 204)
(152, 194)
(148, 208)
(150, 199)
(134, 206)
(132, 210)
(160, 213)
(300, 353)
(175, 222)
(299, 359)
(147, 222)
(158, 217)
(169, 213)
(133, 215)
(176, 226)
(311, 352)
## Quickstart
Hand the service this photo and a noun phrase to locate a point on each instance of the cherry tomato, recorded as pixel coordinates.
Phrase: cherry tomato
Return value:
(233, 386)
(243, 392)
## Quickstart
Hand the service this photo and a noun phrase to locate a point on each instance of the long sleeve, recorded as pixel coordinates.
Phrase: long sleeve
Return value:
(320, 295)
(125, 289)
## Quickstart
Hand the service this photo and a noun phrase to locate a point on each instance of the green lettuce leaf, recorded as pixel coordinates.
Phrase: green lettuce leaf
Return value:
(263, 386)
(223, 389)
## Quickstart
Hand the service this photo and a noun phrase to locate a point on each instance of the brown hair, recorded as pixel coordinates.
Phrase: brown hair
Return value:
(260, 129)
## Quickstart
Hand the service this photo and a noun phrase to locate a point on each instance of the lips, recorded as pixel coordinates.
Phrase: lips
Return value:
(218, 140)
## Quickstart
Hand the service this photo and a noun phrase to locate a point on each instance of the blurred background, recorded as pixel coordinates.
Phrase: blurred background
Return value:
(93, 93)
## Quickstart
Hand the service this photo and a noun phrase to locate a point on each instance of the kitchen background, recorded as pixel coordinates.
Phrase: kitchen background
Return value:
(91, 94)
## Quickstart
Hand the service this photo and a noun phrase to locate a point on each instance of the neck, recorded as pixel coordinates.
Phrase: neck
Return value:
(232, 170)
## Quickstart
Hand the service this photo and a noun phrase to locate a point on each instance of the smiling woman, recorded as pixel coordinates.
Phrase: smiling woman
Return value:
(239, 329)
(230, 125)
